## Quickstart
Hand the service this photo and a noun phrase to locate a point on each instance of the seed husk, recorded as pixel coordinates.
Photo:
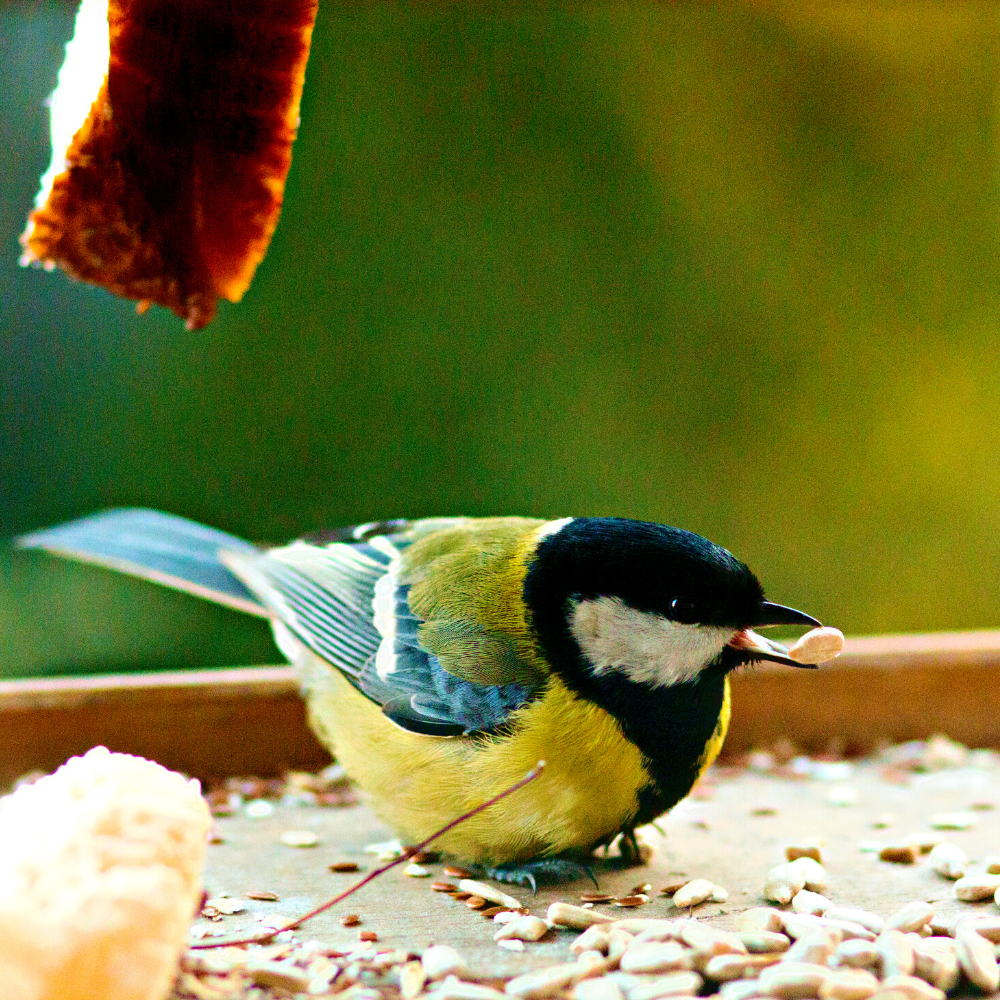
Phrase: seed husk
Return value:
(263, 894)
(671, 887)
(795, 851)
(630, 902)
(475, 903)
(344, 866)
(596, 897)
(444, 887)
(367, 936)
(900, 854)
(350, 920)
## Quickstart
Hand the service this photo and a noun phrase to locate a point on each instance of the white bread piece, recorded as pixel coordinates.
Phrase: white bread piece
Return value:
(100, 876)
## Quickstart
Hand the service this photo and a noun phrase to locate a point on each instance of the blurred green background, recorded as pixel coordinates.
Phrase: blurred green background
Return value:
(730, 268)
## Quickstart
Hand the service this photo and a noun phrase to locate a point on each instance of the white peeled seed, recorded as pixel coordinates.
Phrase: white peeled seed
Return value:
(794, 980)
(761, 918)
(782, 882)
(725, 968)
(568, 915)
(856, 954)
(542, 982)
(896, 953)
(973, 888)
(948, 860)
(694, 892)
(523, 928)
(805, 901)
(654, 956)
(975, 956)
(871, 921)
(818, 645)
(600, 988)
(813, 873)
(849, 984)
(913, 988)
(442, 960)
(764, 942)
(953, 821)
(490, 892)
(936, 963)
(675, 984)
(911, 917)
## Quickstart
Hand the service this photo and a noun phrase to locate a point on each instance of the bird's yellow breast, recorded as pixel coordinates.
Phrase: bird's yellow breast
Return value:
(419, 783)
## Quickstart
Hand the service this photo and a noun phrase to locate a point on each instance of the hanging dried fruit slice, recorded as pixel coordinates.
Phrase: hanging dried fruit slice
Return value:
(172, 129)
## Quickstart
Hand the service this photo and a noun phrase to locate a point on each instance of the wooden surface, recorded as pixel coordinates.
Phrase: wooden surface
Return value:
(731, 832)
(252, 721)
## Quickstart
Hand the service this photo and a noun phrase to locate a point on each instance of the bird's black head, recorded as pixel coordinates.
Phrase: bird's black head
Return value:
(654, 603)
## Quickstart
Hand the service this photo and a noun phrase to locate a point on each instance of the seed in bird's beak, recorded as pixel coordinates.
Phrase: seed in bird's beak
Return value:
(818, 645)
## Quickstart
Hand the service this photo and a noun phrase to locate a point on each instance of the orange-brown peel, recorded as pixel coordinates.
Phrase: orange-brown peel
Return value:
(170, 188)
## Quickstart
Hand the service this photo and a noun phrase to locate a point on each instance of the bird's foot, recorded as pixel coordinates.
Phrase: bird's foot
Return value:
(540, 871)
(629, 851)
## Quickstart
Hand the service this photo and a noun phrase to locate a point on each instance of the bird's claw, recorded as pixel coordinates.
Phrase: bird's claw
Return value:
(540, 870)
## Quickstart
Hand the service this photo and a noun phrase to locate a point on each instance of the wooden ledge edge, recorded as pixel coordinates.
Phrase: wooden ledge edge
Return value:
(167, 685)
(251, 720)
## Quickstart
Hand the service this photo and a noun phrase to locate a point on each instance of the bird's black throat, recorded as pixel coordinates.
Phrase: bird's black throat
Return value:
(671, 726)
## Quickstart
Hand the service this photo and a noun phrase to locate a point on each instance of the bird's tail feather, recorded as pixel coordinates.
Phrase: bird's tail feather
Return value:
(160, 547)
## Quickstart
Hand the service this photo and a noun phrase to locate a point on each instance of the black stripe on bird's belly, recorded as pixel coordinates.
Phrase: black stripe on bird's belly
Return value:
(670, 725)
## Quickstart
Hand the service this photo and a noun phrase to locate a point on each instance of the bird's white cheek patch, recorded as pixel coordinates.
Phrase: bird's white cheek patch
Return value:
(644, 646)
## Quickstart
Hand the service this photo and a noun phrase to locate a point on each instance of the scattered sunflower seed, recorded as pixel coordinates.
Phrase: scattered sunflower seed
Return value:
(299, 838)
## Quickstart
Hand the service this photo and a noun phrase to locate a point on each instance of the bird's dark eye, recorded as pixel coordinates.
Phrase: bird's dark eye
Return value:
(684, 610)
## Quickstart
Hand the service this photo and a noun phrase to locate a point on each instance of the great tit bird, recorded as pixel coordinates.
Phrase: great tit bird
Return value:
(442, 658)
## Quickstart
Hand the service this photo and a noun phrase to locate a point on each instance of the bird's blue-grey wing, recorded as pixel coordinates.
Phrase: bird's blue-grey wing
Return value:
(343, 600)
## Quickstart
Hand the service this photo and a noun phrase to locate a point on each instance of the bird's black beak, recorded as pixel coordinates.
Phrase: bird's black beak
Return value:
(778, 614)
(755, 647)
